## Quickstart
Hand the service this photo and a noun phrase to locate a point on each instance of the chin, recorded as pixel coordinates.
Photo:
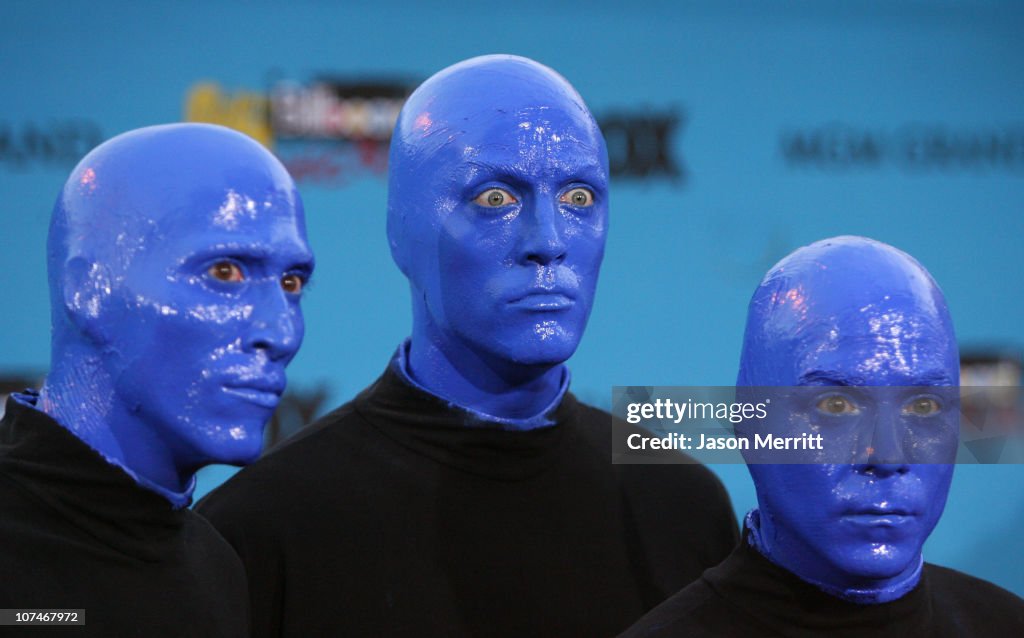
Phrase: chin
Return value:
(242, 450)
(879, 561)
(549, 349)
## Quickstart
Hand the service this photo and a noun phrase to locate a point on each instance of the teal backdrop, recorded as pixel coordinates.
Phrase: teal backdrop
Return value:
(742, 130)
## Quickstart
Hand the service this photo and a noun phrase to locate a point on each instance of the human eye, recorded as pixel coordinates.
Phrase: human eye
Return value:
(226, 271)
(579, 197)
(293, 283)
(837, 405)
(495, 198)
(922, 406)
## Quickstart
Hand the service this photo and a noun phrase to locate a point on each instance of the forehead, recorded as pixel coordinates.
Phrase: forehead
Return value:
(272, 219)
(870, 363)
(877, 344)
(538, 139)
(270, 226)
(245, 208)
(855, 311)
(148, 190)
(497, 109)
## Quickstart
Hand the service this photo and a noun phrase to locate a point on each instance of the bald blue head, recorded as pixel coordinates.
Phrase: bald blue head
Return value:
(858, 335)
(176, 258)
(497, 214)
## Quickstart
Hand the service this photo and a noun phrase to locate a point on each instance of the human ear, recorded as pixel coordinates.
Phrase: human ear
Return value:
(86, 288)
(396, 239)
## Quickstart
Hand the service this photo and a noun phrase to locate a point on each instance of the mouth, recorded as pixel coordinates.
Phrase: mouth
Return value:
(263, 396)
(880, 517)
(543, 301)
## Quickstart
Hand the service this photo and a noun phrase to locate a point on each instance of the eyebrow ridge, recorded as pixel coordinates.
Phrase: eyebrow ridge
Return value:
(834, 377)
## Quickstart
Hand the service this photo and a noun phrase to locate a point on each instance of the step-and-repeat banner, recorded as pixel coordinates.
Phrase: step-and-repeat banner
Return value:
(736, 131)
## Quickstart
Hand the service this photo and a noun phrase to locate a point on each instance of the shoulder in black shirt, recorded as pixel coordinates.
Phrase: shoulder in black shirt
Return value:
(399, 515)
(79, 533)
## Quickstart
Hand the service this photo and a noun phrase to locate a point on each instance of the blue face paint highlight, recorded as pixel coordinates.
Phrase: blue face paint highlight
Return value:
(497, 214)
(836, 316)
(177, 256)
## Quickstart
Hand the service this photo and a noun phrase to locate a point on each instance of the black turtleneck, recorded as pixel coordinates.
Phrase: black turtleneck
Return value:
(401, 515)
(747, 595)
(78, 533)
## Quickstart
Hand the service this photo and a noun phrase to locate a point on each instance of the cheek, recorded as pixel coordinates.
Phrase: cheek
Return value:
(193, 339)
(206, 327)
(137, 330)
(798, 496)
(468, 260)
(299, 323)
(585, 254)
(934, 484)
(587, 234)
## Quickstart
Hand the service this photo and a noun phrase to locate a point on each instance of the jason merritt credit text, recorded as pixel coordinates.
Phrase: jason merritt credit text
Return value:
(638, 441)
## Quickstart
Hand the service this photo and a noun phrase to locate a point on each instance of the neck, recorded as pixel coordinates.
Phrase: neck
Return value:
(817, 572)
(78, 393)
(482, 384)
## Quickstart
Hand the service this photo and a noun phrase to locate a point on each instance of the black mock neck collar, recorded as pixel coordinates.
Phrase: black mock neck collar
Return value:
(454, 436)
(44, 458)
(782, 601)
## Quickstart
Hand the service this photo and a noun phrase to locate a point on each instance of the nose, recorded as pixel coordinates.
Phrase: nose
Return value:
(543, 240)
(886, 454)
(276, 325)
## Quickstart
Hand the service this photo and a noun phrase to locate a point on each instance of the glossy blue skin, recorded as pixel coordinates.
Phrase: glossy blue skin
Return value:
(501, 291)
(841, 314)
(157, 363)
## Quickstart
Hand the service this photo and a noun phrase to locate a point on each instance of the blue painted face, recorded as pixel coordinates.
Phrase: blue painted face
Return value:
(837, 317)
(498, 208)
(178, 256)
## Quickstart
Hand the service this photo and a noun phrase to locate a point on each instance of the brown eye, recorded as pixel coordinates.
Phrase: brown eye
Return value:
(226, 271)
(292, 284)
(495, 197)
(578, 197)
(837, 405)
(923, 406)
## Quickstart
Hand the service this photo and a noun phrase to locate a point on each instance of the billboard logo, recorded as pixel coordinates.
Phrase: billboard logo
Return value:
(330, 130)
(642, 145)
(244, 111)
(339, 111)
(59, 143)
(914, 147)
(326, 132)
